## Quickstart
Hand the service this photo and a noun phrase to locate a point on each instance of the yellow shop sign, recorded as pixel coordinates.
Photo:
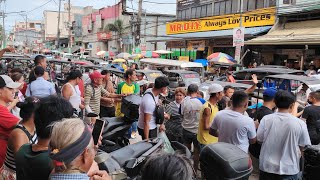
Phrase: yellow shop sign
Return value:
(260, 17)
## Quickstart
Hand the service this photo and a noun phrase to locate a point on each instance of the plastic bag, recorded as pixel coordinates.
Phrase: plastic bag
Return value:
(166, 143)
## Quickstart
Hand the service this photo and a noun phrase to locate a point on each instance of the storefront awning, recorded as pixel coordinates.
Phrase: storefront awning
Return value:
(294, 33)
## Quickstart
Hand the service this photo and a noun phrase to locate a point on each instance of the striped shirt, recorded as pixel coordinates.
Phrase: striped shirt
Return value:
(92, 97)
(10, 161)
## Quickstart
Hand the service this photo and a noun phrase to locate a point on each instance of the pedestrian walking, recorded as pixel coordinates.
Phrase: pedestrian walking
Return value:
(40, 87)
(283, 138)
(232, 126)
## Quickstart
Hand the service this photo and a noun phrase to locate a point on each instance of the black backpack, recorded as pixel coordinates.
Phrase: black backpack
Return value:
(158, 112)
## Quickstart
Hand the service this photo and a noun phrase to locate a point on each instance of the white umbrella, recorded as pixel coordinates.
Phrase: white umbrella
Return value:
(101, 53)
(123, 55)
(163, 52)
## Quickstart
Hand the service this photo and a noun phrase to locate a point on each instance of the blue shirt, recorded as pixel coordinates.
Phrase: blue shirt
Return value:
(60, 176)
(40, 88)
(202, 100)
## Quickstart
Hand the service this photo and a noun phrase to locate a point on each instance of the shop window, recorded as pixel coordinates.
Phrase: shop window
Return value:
(235, 4)
(193, 12)
(251, 5)
(289, 2)
(228, 7)
(198, 14)
(216, 8)
(260, 4)
(203, 11)
(222, 7)
(179, 15)
(188, 13)
(272, 3)
(245, 6)
(209, 10)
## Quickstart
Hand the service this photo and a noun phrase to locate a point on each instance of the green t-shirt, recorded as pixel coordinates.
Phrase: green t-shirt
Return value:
(32, 165)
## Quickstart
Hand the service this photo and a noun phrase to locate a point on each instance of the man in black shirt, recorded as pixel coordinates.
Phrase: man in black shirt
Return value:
(311, 115)
(268, 104)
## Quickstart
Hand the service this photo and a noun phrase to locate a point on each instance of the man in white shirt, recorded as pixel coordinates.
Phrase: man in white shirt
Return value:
(283, 139)
(231, 126)
(147, 126)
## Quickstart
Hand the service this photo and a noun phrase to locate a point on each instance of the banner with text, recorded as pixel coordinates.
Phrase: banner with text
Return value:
(259, 17)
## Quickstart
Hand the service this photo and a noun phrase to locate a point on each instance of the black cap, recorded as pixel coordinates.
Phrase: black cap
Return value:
(74, 74)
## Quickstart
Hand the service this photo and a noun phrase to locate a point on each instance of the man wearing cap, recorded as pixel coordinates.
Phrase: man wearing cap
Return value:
(71, 92)
(207, 114)
(94, 93)
(231, 126)
(7, 120)
(40, 87)
(268, 104)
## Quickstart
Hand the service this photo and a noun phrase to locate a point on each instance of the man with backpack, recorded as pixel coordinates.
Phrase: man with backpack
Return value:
(129, 86)
(151, 112)
(94, 92)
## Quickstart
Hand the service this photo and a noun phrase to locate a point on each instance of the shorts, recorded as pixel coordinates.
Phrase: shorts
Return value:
(153, 133)
(189, 138)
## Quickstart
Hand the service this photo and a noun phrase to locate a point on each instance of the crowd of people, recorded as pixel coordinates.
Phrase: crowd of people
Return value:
(40, 137)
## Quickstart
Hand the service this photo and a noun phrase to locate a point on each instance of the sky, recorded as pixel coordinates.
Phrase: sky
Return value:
(35, 8)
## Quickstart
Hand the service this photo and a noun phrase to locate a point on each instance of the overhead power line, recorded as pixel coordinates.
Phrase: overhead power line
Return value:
(40, 6)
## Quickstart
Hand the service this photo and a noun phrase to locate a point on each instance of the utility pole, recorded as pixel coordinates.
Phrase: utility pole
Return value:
(145, 27)
(139, 24)
(26, 29)
(69, 27)
(3, 27)
(58, 29)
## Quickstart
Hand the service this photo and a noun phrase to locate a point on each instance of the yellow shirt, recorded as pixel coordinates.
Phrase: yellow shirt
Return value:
(124, 88)
(203, 135)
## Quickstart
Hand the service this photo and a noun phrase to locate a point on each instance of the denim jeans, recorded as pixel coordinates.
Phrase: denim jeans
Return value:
(270, 176)
(133, 128)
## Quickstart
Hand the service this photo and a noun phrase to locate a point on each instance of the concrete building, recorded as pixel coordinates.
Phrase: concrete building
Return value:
(96, 38)
(27, 34)
(295, 38)
(203, 27)
(50, 24)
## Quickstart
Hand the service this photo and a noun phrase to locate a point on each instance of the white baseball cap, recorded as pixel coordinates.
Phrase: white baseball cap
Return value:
(6, 81)
(215, 88)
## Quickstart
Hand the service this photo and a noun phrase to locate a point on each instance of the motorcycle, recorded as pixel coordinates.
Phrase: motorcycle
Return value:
(114, 134)
(127, 162)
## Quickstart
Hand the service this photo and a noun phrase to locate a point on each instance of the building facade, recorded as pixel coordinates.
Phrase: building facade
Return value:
(295, 39)
(97, 38)
(203, 27)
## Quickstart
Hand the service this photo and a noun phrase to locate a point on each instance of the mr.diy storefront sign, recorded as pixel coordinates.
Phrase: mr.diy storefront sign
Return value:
(260, 17)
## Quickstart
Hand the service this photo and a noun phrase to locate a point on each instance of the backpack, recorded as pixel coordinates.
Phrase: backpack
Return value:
(158, 112)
